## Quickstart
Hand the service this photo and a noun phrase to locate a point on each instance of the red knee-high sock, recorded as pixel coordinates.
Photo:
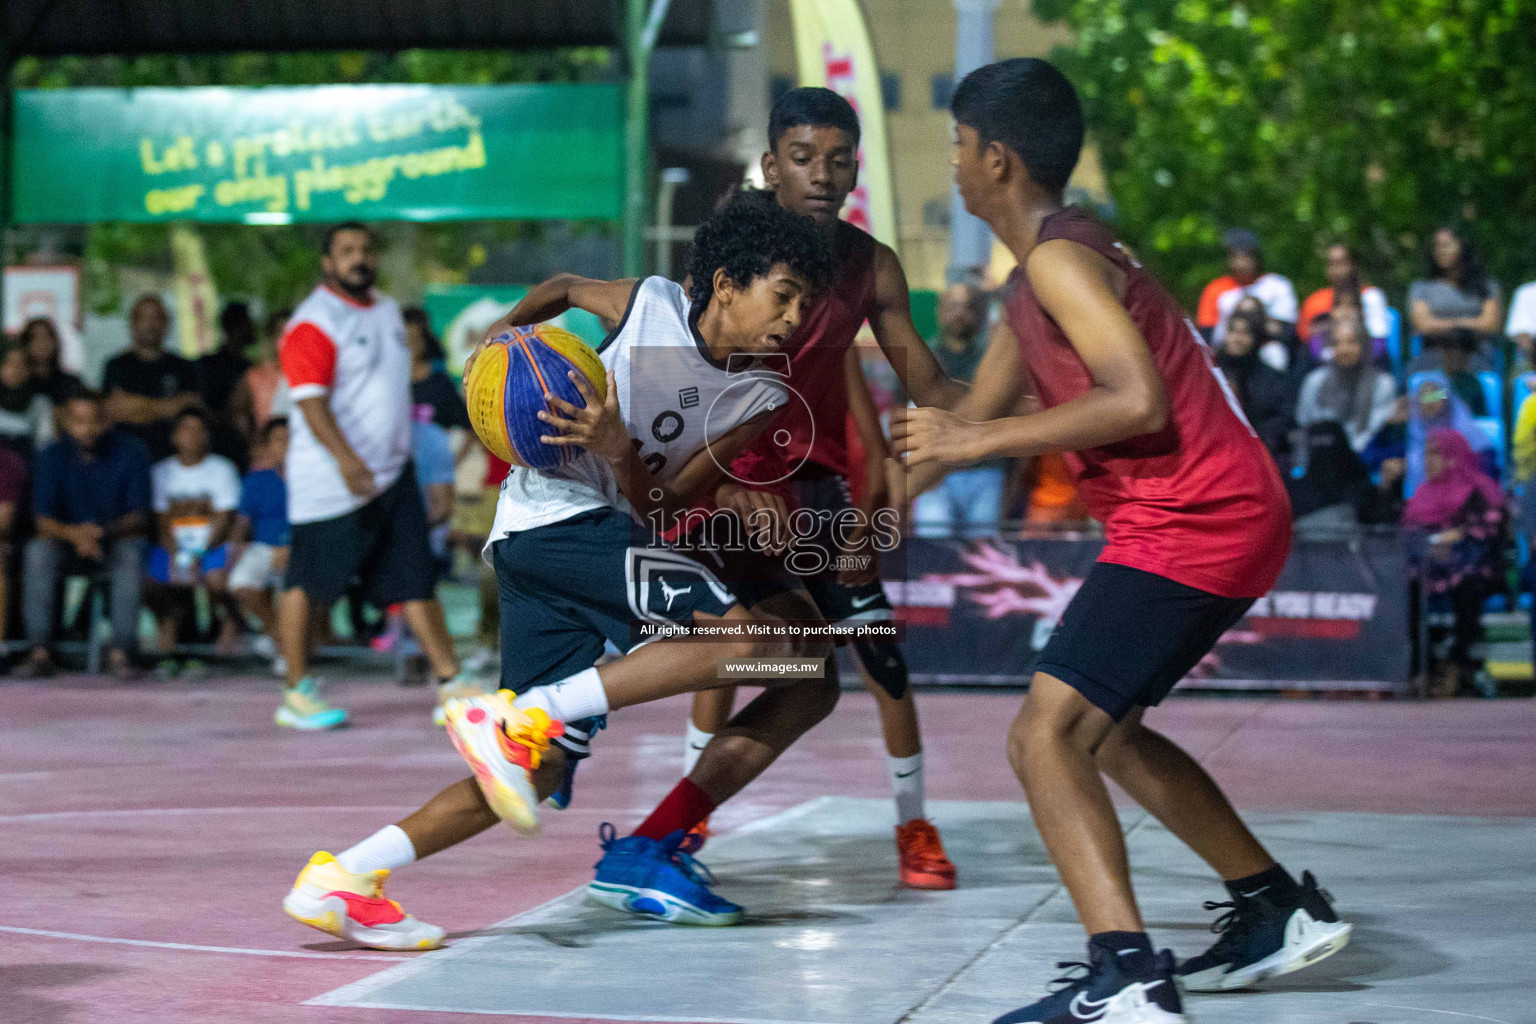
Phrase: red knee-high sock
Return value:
(684, 807)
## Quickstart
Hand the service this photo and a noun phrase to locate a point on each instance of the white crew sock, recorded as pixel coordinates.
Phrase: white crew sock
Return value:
(693, 746)
(907, 784)
(388, 848)
(578, 696)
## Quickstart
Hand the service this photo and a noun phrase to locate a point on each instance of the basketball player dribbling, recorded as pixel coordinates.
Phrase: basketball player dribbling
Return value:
(1197, 525)
(577, 565)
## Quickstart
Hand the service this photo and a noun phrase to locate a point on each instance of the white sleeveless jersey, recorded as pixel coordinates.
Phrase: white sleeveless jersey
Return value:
(674, 397)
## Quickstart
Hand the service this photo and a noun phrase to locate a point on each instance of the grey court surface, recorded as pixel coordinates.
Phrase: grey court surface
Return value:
(1443, 911)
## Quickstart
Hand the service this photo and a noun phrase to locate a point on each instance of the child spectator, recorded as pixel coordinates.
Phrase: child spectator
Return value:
(430, 384)
(433, 455)
(1349, 390)
(196, 495)
(26, 416)
(91, 503)
(1454, 527)
(263, 530)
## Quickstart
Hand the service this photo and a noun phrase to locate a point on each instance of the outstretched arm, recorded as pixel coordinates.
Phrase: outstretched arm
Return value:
(996, 391)
(891, 321)
(1080, 289)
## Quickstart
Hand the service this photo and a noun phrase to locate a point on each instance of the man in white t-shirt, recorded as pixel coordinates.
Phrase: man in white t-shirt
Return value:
(195, 496)
(1245, 276)
(1521, 325)
(352, 498)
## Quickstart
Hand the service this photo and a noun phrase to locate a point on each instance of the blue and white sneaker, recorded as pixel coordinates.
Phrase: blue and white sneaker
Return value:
(1127, 989)
(577, 738)
(304, 708)
(655, 878)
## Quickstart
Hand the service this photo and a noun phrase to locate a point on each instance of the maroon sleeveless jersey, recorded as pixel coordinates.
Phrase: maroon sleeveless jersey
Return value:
(816, 430)
(1200, 501)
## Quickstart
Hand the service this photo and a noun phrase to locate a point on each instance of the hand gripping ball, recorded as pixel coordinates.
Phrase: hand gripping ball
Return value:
(506, 387)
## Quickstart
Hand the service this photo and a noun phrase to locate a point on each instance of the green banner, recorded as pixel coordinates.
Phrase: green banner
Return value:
(324, 153)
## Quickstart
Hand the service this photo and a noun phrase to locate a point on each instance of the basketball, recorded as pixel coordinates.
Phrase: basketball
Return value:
(505, 391)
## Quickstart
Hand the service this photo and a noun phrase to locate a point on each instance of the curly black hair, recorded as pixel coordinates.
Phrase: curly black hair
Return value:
(748, 237)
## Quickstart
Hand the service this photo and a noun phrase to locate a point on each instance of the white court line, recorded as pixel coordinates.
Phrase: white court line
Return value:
(355, 993)
(566, 1014)
(9, 819)
(1426, 1009)
(188, 947)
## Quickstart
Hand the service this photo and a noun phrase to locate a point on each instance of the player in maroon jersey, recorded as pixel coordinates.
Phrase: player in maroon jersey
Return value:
(810, 168)
(1196, 524)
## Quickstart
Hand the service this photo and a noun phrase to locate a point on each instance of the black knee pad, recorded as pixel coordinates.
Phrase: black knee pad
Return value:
(886, 665)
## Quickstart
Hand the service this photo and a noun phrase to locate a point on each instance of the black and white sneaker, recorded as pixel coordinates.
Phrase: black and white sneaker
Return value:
(1135, 989)
(1263, 939)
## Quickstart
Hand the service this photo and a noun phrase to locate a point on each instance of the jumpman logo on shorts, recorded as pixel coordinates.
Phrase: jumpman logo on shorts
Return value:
(673, 592)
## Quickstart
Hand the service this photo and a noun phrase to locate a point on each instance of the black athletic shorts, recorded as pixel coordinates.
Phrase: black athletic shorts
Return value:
(755, 577)
(566, 587)
(384, 544)
(1129, 636)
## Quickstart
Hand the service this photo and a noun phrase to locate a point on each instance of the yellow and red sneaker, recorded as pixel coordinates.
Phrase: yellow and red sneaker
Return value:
(503, 745)
(920, 853)
(334, 900)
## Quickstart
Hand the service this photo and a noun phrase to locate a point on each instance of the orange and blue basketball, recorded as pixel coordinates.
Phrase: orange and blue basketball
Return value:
(505, 391)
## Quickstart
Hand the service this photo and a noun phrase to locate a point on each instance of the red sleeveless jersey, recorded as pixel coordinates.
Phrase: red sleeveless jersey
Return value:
(817, 429)
(1200, 501)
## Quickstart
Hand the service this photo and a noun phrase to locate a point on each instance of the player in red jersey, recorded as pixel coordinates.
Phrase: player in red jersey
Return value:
(1196, 524)
(810, 168)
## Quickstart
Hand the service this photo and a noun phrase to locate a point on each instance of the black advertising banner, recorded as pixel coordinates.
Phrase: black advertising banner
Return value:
(979, 612)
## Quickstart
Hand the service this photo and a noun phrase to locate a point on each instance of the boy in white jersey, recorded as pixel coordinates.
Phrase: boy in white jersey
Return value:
(577, 564)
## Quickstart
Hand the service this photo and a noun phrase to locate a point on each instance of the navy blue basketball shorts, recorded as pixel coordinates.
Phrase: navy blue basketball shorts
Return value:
(567, 587)
(1129, 636)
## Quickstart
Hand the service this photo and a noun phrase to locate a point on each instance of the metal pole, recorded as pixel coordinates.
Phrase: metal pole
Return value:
(670, 179)
(970, 240)
(642, 25)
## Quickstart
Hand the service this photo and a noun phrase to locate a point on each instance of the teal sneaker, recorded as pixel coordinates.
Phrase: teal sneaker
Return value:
(304, 708)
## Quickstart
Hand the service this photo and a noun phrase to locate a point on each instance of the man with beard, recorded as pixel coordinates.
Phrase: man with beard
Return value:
(352, 495)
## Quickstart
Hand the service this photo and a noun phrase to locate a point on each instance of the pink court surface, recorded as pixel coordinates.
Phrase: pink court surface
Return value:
(149, 831)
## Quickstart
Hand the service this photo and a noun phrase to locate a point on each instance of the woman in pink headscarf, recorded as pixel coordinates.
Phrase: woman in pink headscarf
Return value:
(1455, 527)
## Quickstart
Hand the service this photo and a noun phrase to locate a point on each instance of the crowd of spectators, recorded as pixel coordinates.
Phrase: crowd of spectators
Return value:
(166, 485)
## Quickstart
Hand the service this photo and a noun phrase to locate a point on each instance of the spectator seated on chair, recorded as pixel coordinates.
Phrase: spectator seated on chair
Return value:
(13, 478)
(1521, 327)
(1349, 390)
(1433, 405)
(91, 504)
(262, 531)
(26, 414)
(1245, 278)
(1331, 489)
(1457, 295)
(196, 495)
(1345, 285)
(147, 386)
(1263, 393)
(1454, 527)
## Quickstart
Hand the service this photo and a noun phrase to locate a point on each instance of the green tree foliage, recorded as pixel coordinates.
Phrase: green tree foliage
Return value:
(276, 265)
(1371, 121)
